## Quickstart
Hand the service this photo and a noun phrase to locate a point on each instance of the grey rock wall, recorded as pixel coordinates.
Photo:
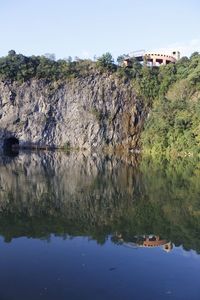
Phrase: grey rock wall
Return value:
(94, 112)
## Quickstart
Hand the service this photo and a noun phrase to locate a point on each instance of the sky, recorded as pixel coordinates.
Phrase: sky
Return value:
(89, 28)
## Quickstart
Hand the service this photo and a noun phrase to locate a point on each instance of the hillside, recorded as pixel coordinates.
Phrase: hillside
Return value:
(173, 126)
(89, 104)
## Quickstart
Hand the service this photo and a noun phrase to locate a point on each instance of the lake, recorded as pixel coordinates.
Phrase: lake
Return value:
(81, 226)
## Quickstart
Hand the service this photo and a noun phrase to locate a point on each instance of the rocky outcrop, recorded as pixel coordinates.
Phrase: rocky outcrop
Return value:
(97, 111)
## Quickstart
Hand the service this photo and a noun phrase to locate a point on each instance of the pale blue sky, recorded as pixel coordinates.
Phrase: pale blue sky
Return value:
(93, 27)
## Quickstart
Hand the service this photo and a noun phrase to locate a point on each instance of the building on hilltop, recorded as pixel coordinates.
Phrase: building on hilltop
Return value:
(151, 59)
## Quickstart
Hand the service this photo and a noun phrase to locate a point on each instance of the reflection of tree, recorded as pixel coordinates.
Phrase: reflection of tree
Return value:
(97, 197)
(173, 196)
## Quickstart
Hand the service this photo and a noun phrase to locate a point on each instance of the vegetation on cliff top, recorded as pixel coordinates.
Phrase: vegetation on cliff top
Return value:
(173, 126)
(171, 92)
(17, 67)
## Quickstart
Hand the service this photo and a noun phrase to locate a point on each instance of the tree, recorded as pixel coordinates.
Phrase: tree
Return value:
(106, 61)
(194, 54)
(11, 53)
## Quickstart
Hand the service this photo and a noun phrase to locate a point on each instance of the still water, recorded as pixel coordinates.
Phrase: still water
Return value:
(88, 227)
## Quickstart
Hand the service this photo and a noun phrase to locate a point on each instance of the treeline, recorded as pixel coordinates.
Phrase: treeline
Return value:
(17, 67)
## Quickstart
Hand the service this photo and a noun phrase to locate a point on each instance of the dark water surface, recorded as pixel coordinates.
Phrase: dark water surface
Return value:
(89, 227)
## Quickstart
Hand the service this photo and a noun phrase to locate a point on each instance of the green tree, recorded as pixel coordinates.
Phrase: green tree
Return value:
(106, 61)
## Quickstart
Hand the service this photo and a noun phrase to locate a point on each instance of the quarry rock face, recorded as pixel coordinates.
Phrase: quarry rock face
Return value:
(98, 111)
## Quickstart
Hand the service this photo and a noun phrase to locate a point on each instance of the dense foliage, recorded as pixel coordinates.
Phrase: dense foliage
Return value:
(173, 127)
(17, 67)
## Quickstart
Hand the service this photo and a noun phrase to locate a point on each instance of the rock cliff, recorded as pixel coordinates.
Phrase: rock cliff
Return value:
(97, 111)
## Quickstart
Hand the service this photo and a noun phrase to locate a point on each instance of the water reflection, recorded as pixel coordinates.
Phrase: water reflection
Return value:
(100, 197)
(146, 241)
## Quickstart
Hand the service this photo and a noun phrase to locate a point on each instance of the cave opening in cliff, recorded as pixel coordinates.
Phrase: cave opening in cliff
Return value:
(11, 146)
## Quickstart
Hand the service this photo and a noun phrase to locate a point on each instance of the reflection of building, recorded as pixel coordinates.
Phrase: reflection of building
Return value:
(146, 241)
(152, 241)
(155, 241)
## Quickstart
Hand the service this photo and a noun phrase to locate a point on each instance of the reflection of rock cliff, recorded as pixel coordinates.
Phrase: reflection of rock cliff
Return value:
(80, 187)
(96, 196)
(92, 112)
